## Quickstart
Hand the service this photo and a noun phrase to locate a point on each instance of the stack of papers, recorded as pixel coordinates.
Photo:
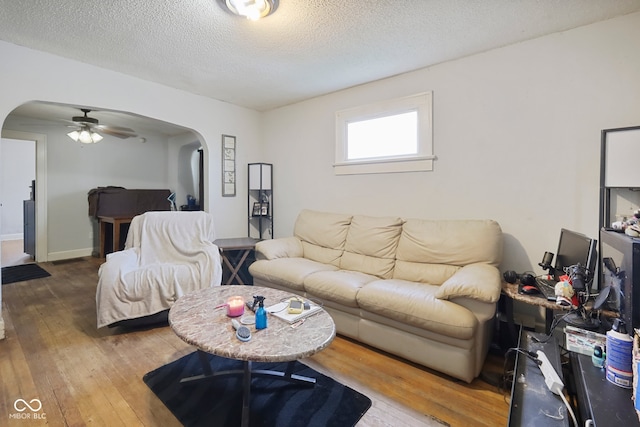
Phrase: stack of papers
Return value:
(280, 310)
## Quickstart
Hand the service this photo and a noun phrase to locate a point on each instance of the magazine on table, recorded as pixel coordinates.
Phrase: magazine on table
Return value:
(281, 310)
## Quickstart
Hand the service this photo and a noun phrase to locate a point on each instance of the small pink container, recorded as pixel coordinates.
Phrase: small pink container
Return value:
(235, 306)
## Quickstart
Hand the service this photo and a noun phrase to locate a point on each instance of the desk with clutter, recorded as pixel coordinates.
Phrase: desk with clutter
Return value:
(600, 373)
(513, 293)
(598, 337)
(584, 394)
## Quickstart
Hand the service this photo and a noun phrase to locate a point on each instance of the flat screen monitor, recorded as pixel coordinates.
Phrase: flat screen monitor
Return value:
(575, 248)
(620, 276)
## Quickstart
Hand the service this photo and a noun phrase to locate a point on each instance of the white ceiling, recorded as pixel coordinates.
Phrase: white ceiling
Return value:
(307, 48)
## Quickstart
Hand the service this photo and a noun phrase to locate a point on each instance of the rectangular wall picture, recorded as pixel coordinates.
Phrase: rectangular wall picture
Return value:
(228, 166)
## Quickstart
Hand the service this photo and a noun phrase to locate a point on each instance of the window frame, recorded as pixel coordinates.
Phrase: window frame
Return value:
(419, 162)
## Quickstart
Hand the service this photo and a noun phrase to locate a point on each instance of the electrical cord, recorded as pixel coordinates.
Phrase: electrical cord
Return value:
(530, 354)
(554, 324)
(509, 373)
(566, 403)
(557, 389)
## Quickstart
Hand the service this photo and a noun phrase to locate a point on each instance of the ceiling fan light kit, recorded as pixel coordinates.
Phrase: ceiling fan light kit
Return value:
(85, 136)
(86, 129)
(252, 9)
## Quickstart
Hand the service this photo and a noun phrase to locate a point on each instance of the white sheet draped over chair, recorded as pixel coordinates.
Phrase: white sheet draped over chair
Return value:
(166, 255)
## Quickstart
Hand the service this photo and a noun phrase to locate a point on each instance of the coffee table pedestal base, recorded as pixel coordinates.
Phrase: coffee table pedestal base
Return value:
(247, 374)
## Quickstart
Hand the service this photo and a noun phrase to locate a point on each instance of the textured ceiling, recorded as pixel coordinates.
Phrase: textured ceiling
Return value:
(306, 49)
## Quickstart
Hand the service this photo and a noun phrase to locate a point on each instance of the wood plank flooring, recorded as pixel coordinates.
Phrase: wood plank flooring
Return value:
(84, 376)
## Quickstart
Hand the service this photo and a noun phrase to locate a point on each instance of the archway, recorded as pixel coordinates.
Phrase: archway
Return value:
(67, 170)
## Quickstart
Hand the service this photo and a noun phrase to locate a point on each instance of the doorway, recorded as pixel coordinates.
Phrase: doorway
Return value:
(155, 138)
(28, 150)
(17, 184)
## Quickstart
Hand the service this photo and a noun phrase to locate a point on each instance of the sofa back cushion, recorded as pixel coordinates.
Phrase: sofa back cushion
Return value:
(430, 251)
(371, 245)
(322, 234)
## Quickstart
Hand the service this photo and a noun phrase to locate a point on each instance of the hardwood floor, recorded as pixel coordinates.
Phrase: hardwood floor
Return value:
(53, 352)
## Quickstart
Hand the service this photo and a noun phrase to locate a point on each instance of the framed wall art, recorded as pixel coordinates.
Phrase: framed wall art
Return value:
(260, 209)
(228, 166)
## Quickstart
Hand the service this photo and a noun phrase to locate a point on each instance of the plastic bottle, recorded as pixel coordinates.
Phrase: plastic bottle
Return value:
(598, 357)
(619, 355)
(261, 314)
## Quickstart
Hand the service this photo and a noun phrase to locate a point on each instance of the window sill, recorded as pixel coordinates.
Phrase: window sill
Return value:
(421, 164)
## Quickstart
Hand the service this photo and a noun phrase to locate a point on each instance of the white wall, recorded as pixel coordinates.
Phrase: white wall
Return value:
(17, 170)
(516, 134)
(28, 75)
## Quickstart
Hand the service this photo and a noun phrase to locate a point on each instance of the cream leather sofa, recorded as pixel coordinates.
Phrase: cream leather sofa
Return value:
(425, 290)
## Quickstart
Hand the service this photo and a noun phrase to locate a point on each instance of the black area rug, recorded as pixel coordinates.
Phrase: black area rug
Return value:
(20, 273)
(218, 402)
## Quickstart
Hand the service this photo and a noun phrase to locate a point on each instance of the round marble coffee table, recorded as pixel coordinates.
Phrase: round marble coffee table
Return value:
(200, 319)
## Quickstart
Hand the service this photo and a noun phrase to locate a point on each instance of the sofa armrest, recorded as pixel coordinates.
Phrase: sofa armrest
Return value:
(284, 247)
(481, 282)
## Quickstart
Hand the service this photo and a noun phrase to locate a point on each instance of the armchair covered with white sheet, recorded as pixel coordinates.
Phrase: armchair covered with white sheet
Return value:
(166, 255)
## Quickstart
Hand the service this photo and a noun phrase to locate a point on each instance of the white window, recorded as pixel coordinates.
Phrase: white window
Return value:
(388, 136)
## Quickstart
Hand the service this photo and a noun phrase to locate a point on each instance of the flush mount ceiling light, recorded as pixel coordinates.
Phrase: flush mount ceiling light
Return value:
(252, 9)
(85, 135)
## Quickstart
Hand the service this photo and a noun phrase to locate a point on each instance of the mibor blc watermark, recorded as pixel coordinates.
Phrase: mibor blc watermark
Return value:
(27, 410)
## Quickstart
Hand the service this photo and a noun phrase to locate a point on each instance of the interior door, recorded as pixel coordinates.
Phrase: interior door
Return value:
(29, 223)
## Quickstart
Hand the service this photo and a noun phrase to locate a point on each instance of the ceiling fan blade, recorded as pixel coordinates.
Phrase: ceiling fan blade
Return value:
(49, 123)
(107, 130)
(85, 121)
(114, 128)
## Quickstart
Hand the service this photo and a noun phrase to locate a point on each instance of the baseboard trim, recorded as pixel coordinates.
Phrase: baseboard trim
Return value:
(62, 255)
(15, 236)
(1, 326)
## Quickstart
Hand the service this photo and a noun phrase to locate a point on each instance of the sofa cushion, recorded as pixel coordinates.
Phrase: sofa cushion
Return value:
(289, 272)
(371, 245)
(340, 286)
(322, 234)
(446, 242)
(432, 274)
(416, 304)
(481, 282)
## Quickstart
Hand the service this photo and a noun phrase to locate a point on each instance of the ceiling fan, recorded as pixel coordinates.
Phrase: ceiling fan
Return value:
(87, 129)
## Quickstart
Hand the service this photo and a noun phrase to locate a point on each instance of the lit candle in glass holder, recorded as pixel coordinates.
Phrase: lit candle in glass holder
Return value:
(235, 306)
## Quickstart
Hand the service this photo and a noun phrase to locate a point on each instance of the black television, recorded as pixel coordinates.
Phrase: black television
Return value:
(575, 248)
(620, 276)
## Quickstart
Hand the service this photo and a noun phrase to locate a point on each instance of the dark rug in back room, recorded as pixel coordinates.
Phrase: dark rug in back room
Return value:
(20, 273)
(218, 402)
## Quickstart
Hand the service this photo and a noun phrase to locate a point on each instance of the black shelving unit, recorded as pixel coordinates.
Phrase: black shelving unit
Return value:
(260, 201)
